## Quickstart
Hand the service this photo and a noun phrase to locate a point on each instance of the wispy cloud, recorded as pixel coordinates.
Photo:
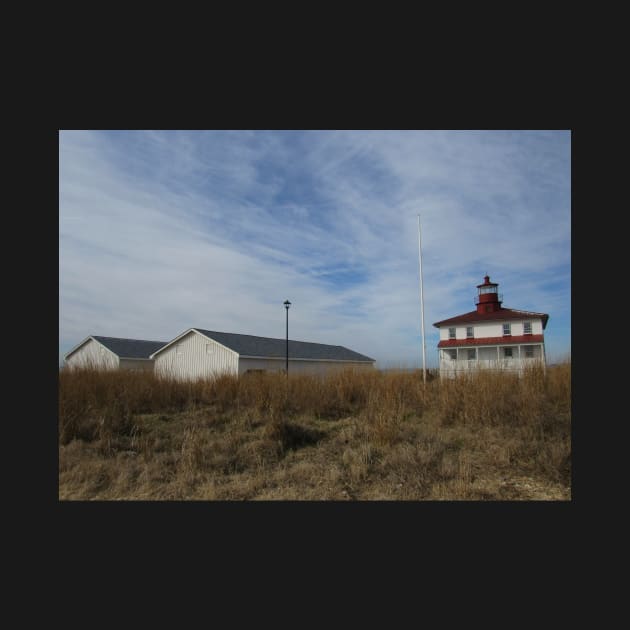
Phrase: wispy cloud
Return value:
(163, 230)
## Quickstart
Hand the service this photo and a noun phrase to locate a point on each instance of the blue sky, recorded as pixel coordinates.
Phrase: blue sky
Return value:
(160, 231)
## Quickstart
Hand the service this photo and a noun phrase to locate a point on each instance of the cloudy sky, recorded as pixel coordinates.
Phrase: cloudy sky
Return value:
(160, 231)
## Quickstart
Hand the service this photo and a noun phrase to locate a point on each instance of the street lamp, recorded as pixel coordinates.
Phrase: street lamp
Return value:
(286, 305)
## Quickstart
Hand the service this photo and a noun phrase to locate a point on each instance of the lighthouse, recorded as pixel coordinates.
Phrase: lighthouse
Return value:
(488, 299)
(491, 336)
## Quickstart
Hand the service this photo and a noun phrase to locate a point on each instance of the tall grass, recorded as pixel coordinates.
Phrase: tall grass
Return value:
(357, 431)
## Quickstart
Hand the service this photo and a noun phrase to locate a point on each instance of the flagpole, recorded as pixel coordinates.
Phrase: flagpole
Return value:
(424, 369)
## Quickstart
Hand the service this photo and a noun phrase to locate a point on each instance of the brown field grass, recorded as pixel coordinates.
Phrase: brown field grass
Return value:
(350, 436)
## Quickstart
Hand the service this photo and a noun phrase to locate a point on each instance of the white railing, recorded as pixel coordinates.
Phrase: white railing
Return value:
(452, 367)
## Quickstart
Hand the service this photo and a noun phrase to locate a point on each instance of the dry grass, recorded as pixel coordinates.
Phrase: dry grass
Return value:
(362, 436)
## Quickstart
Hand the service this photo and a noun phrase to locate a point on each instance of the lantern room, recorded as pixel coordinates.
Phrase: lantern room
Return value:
(488, 300)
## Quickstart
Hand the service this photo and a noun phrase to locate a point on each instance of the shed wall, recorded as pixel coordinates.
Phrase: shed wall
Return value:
(300, 367)
(137, 364)
(195, 356)
(93, 355)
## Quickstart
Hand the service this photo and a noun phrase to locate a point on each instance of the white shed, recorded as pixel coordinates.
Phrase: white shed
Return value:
(198, 353)
(111, 353)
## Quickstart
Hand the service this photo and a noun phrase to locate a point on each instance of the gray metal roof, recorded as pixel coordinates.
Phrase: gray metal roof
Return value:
(252, 346)
(130, 348)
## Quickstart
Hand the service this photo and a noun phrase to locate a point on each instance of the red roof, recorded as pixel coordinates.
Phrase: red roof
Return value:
(506, 340)
(502, 313)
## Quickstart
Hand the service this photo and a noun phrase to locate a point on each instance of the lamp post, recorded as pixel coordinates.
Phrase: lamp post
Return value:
(286, 305)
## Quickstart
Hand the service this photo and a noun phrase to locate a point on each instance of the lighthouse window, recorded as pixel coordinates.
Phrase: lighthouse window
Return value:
(507, 353)
(472, 354)
(506, 329)
(529, 352)
(451, 354)
(527, 328)
(451, 333)
(469, 331)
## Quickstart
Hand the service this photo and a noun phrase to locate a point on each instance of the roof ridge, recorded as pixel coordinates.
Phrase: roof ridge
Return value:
(272, 338)
(127, 339)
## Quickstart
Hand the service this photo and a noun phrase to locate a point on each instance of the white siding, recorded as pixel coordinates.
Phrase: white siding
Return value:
(300, 367)
(136, 364)
(93, 354)
(195, 361)
(493, 328)
(488, 329)
(538, 353)
(487, 354)
(444, 332)
(480, 330)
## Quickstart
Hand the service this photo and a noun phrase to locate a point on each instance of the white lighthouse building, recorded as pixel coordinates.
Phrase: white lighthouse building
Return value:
(491, 336)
